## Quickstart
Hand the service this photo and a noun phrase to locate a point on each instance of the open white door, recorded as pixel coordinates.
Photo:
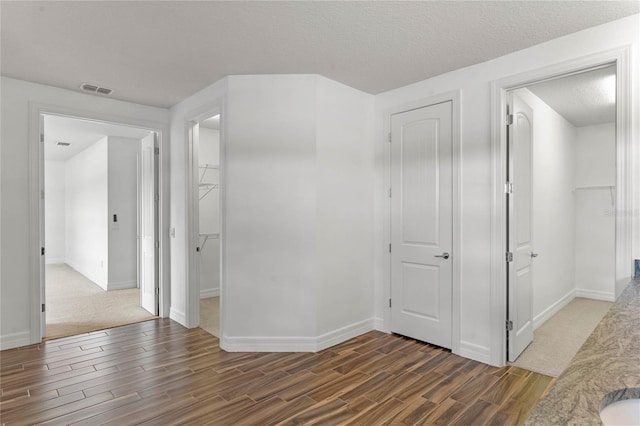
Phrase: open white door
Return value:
(519, 248)
(421, 223)
(148, 225)
(43, 293)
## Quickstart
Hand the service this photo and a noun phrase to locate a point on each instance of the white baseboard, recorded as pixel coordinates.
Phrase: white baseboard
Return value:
(343, 334)
(54, 260)
(295, 344)
(15, 340)
(209, 292)
(475, 352)
(607, 296)
(122, 285)
(555, 307)
(178, 316)
(378, 324)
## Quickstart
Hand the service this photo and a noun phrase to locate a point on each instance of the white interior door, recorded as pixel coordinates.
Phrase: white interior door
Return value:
(520, 306)
(148, 225)
(43, 292)
(421, 223)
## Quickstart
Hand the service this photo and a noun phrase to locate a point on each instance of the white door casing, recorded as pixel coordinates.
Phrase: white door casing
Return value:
(421, 223)
(519, 175)
(148, 225)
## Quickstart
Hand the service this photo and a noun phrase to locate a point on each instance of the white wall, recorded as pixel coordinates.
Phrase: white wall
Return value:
(344, 224)
(595, 216)
(54, 196)
(209, 259)
(122, 201)
(474, 82)
(16, 279)
(553, 215)
(86, 213)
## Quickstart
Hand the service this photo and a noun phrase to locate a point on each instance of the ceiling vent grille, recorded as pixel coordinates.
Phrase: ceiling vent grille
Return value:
(63, 143)
(95, 89)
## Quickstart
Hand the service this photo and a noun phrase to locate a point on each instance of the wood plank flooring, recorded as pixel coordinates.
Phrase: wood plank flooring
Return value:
(159, 373)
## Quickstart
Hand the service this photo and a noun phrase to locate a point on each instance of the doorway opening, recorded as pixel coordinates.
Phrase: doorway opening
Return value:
(206, 149)
(99, 225)
(561, 215)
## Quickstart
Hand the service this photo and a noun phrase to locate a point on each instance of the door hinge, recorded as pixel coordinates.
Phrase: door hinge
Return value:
(508, 188)
(157, 244)
(509, 119)
(509, 325)
(43, 307)
(156, 197)
(42, 194)
(389, 247)
(41, 138)
(389, 192)
(156, 151)
(509, 257)
(389, 302)
(42, 251)
(157, 290)
(389, 137)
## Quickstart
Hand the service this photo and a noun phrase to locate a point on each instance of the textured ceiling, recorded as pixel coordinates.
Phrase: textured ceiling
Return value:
(583, 99)
(158, 53)
(80, 134)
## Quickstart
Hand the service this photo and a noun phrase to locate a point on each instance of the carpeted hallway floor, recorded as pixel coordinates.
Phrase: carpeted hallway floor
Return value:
(558, 340)
(77, 305)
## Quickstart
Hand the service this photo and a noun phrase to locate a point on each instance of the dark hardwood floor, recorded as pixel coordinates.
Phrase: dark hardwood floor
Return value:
(159, 373)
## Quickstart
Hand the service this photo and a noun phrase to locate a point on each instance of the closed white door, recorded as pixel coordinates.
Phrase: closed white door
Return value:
(520, 327)
(148, 220)
(421, 223)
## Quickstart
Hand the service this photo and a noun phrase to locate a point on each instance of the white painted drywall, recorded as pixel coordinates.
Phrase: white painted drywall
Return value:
(553, 215)
(209, 214)
(271, 264)
(474, 82)
(344, 205)
(595, 159)
(86, 213)
(54, 198)
(15, 273)
(122, 201)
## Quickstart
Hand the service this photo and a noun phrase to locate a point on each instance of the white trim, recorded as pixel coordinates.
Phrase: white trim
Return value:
(178, 316)
(553, 309)
(607, 296)
(55, 260)
(455, 97)
(211, 292)
(295, 344)
(122, 285)
(378, 324)
(475, 352)
(15, 340)
(619, 56)
(36, 109)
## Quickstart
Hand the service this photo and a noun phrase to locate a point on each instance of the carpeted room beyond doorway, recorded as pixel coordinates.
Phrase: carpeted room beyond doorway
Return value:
(77, 305)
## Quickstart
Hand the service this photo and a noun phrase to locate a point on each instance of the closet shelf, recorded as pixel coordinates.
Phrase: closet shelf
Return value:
(207, 237)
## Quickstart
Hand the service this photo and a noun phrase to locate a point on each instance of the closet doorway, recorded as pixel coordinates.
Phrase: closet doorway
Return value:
(561, 230)
(206, 139)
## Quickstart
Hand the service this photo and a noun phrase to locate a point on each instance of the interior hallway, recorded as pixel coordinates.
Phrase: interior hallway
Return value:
(210, 315)
(77, 305)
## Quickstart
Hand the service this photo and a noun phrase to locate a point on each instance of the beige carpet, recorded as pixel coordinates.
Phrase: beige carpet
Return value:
(210, 315)
(77, 305)
(557, 341)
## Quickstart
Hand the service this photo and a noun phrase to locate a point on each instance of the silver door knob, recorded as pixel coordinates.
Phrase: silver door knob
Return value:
(534, 254)
(444, 255)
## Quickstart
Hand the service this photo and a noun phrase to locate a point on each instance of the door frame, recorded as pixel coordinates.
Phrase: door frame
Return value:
(192, 308)
(36, 217)
(454, 97)
(499, 88)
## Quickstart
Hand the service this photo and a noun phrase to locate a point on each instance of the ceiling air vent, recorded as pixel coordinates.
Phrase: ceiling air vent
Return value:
(63, 144)
(95, 89)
